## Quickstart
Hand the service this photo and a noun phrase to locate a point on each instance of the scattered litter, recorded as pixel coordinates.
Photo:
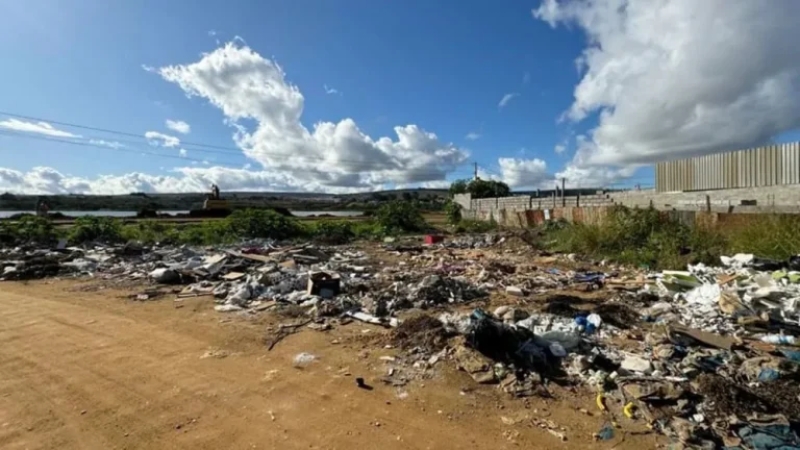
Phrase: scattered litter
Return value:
(303, 360)
(703, 355)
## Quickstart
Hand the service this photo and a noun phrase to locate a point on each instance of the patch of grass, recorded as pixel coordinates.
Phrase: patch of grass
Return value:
(775, 236)
(641, 237)
(475, 226)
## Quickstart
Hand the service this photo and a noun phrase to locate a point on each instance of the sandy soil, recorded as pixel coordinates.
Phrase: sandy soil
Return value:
(93, 370)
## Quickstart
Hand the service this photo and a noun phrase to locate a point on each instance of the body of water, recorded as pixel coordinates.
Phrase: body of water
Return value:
(5, 214)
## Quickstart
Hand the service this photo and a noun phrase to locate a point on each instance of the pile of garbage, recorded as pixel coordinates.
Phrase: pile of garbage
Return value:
(708, 356)
(710, 360)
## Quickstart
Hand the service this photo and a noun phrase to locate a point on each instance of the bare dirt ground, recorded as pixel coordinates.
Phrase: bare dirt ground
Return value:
(92, 370)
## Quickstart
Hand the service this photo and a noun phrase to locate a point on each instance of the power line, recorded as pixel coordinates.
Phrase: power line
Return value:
(232, 151)
(199, 147)
(24, 135)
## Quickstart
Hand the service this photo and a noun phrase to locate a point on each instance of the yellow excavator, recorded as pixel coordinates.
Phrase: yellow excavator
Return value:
(215, 206)
(214, 202)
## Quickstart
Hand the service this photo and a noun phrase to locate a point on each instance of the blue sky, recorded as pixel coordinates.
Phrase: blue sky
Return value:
(443, 66)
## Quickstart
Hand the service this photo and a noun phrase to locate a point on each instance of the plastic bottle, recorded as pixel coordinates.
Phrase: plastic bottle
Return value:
(779, 339)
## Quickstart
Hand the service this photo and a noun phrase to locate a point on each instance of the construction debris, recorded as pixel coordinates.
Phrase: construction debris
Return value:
(704, 355)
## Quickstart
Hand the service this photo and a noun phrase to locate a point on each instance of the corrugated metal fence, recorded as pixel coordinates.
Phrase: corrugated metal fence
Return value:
(763, 166)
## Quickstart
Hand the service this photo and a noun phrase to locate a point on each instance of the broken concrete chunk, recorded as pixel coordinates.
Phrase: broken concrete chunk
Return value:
(515, 291)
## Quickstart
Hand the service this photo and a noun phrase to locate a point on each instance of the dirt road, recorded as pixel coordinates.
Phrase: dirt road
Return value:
(91, 370)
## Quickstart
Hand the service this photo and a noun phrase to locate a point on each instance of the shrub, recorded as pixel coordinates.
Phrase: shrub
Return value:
(261, 223)
(644, 237)
(28, 229)
(767, 236)
(453, 212)
(400, 217)
(332, 232)
(151, 231)
(89, 228)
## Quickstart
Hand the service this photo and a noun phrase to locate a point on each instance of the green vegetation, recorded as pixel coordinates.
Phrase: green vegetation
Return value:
(393, 218)
(453, 212)
(480, 188)
(647, 237)
(475, 226)
(400, 217)
(30, 229)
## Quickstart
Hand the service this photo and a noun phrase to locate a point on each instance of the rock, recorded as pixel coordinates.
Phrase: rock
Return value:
(479, 367)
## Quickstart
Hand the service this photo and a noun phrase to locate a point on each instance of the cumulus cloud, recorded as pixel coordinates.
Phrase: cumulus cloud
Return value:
(183, 152)
(46, 180)
(560, 148)
(179, 126)
(330, 90)
(674, 78)
(161, 139)
(265, 111)
(507, 99)
(519, 173)
(36, 128)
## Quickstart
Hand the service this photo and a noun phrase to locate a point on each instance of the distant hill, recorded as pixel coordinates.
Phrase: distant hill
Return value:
(184, 201)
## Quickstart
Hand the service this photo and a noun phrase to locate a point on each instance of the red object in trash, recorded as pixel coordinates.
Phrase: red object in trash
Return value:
(433, 239)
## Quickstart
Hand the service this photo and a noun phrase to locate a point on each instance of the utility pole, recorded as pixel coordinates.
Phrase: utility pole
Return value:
(476, 170)
(563, 192)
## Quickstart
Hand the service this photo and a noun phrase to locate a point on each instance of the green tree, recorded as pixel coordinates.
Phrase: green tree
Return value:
(453, 212)
(480, 188)
(399, 216)
(458, 187)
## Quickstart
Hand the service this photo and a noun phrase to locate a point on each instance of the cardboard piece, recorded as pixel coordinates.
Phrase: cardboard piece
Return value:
(324, 284)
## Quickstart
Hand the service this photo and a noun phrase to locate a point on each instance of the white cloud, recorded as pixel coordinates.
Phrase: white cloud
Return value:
(179, 126)
(182, 152)
(110, 144)
(560, 148)
(249, 89)
(164, 140)
(36, 127)
(682, 77)
(472, 136)
(506, 99)
(330, 90)
(578, 176)
(46, 180)
(519, 173)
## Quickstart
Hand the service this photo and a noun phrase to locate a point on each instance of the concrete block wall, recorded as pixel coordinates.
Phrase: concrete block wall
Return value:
(464, 200)
(784, 198)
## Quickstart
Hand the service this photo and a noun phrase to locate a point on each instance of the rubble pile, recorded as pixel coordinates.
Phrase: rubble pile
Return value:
(706, 356)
